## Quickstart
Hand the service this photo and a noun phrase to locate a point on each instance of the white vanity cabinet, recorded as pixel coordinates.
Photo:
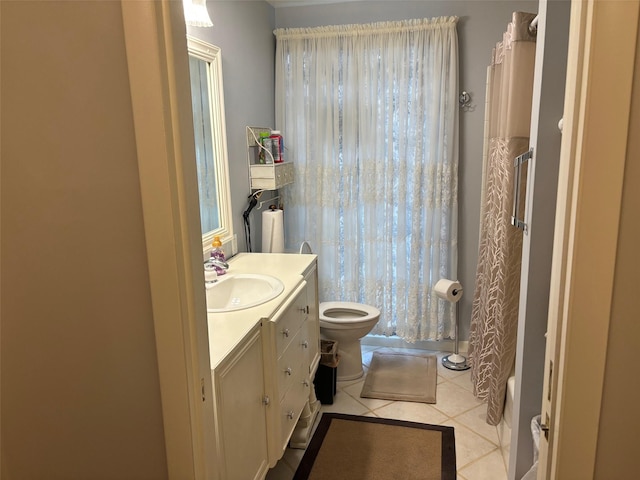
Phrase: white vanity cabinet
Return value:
(292, 352)
(241, 406)
(263, 360)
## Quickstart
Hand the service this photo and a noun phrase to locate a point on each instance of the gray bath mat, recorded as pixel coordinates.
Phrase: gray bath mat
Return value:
(401, 376)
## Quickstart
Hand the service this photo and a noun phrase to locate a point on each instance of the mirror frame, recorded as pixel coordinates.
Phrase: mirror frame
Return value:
(212, 55)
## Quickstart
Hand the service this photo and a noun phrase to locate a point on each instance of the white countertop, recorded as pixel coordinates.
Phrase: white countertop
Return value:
(227, 329)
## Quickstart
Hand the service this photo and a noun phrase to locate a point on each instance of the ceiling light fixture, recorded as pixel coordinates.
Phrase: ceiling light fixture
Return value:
(196, 14)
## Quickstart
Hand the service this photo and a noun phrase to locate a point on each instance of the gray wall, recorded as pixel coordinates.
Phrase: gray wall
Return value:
(244, 32)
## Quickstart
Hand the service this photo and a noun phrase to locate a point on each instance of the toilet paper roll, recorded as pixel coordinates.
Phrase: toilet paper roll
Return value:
(273, 231)
(450, 290)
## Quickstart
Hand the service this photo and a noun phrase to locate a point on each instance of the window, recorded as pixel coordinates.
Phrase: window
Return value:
(205, 68)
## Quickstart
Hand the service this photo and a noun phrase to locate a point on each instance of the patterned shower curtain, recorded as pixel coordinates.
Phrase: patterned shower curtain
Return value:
(494, 319)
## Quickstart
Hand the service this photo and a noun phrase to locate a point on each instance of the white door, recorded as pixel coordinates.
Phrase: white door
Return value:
(600, 70)
(156, 44)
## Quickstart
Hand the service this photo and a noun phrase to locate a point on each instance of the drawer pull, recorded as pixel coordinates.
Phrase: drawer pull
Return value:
(266, 400)
(305, 344)
(290, 415)
(285, 332)
(305, 383)
(288, 371)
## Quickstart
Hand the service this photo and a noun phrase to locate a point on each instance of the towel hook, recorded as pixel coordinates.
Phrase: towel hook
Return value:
(465, 102)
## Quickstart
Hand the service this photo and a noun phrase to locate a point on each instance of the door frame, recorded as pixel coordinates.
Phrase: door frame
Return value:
(600, 69)
(156, 46)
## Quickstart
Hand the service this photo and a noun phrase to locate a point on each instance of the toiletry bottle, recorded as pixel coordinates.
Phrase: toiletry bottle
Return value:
(278, 146)
(267, 143)
(218, 254)
(261, 152)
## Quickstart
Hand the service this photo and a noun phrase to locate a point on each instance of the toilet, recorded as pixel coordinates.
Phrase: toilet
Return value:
(347, 323)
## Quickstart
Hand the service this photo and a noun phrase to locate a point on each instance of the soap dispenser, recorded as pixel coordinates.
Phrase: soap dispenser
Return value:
(217, 256)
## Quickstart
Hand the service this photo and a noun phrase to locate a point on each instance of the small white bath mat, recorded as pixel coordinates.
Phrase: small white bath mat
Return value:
(401, 376)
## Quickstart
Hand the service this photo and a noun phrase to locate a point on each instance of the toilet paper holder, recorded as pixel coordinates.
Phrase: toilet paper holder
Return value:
(258, 193)
(272, 206)
(451, 291)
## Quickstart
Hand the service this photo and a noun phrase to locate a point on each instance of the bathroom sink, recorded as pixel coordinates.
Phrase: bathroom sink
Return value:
(238, 291)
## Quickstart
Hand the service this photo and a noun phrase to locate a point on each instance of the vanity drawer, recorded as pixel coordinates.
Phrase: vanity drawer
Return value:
(310, 343)
(290, 365)
(288, 324)
(291, 407)
(271, 176)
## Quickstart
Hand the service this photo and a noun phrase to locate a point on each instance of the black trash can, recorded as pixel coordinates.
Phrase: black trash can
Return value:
(327, 374)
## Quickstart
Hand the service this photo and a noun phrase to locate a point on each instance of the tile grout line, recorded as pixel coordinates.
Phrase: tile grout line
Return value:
(466, 465)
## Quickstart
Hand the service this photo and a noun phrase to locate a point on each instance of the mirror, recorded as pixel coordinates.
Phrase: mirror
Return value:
(205, 70)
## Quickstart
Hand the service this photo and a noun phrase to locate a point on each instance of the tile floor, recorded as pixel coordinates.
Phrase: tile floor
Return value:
(478, 453)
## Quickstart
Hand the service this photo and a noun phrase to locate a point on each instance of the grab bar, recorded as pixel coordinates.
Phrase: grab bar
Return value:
(517, 163)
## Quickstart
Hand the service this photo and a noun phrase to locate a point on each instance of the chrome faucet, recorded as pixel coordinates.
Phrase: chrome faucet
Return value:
(212, 268)
(217, 263)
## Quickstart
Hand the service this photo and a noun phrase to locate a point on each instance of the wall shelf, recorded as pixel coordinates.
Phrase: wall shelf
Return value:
(265, 176)
(270, 176)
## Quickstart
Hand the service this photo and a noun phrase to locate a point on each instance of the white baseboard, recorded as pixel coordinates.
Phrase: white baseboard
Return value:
(397, 342)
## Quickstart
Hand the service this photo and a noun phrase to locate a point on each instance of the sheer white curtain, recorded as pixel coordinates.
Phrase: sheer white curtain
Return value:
(369, 115)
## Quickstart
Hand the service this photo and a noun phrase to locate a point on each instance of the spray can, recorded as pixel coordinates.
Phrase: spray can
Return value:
(277, 146)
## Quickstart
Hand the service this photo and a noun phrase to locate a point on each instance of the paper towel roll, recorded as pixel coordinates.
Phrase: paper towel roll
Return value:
(272, 231)
(450, 290)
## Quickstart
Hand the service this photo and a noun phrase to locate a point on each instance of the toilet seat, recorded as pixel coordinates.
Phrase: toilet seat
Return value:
(350, 312)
